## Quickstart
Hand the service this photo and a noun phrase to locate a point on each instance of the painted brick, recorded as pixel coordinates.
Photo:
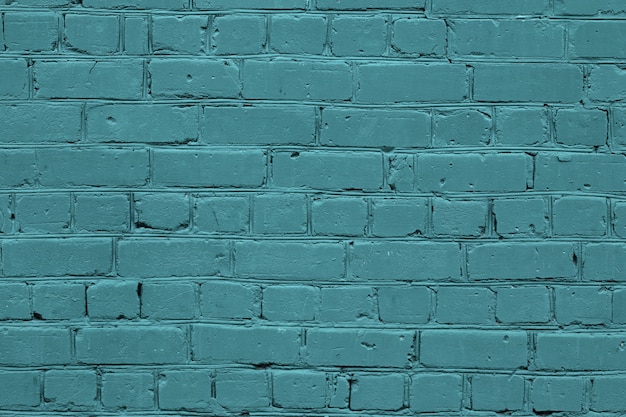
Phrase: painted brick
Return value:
(369, 4)
(131, 345)
(190, 390)
(73, 390)
(14, 301)
(299, 389)
(195, 257)
(607, 83)
(588, 39)
(579, 216)
(115, 80)
(520, 216)
(403, 261)
(158, 211)
(96, 212)
(435, 392)
(556, 394)
(339, 216)
(604, 261)
(377, 392)
(280, 214)
(574, 172)
(358, 35)
(419, 36)
(19, 389)
(290, 302)
(507, 7)
(14, 82)
(235, 344)
(92, 34)
(229, 300)
(411, 82)
(497, 392)
(179, 35)
(258, 125)
(20, 168)
(168, 301)
(586, 351)
(43, 213)
(619, 306)
(191, 78)
(371, 348)
(583, 8)
(31, 31)
(298, 34)
(525, 126)
(619, 218)
(582, 305)
(222, 214)
(465, 305)
(27, 349)
(113, 300)
(461, 127)
(55, 123)
(404, 304)
(136, 35)
(607, 393)
(532, 38)
(399, 217)
(523, 304)
(6, 214)
(238, 34)
(59, 301)
(400, 173)
(370, 127)
(581, 127)
(473, 349)
(459, 218)
(297, 80)
(137, 4)
(242, 390)
(347, 304)
(249, 4)
(133, 391)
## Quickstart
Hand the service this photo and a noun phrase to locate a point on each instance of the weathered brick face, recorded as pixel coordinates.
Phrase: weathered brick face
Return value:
(312, 207)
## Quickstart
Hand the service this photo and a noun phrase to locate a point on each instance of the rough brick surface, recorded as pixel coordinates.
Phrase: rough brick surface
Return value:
(312, 207)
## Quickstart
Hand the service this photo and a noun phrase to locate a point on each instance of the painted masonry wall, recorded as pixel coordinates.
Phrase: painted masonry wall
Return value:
(320, 207)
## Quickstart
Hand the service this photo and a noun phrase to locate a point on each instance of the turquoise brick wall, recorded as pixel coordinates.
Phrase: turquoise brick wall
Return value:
(312, 207)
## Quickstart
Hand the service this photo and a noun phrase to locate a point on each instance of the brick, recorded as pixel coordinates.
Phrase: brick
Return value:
(411, 82)
(497, 392)
(113, 300)
(175, 301)
(435, 392)
(19, 389)
(54, 123)
(522, 261)
(299, 389)
(520, 217)
(523, 304)
(238, 34)
(6, 213)
(607, 393)
(92, 167)
(115, 80)
(459, 217)
(588, 39)
(619, 218)
(399, 217)
(248, 345)
(14, 82)
(369, 4)
(249, 4)
(57, 257)
(126, 345)
(162, 211)
(619, 306)
(136, 35)
(581, 127)
(283, 79)
(579, 216)
(14, 301)
(230, 300)
(31, 31)
(128, 123)
(474, 172)
(521, 126)
(280, 214)
(189, 390)
(358, 35)
(606, 83)
(59, 300)
(290, 302)
(19, 168)
(404, 304)
(377, 392)
(351, 347)
(222, 214)
(258, 125)
(137, 4)
(132, 391)
(339, 391)
(194, 257)
(404, 261)
(574, 172)
(604, 261)
(24, 346)
(461, 127)
(585, 351)
(419, 36)
(473, 349)
(92, 34)
(70, 390)
(193, 78)
(201, 168)
(326, 170)
(400, 172)
(465, 305)
(505, 7)
(370, 128)
(95, 212)
(295, 260)
(556, 394)
(532, 38)
(582, 305)
(179, 34)
(348, 303)
(242, 389)
(585, 8)
(43, 213)
(296, 34)
(618, 123)
(43, 3)
(339, 216)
